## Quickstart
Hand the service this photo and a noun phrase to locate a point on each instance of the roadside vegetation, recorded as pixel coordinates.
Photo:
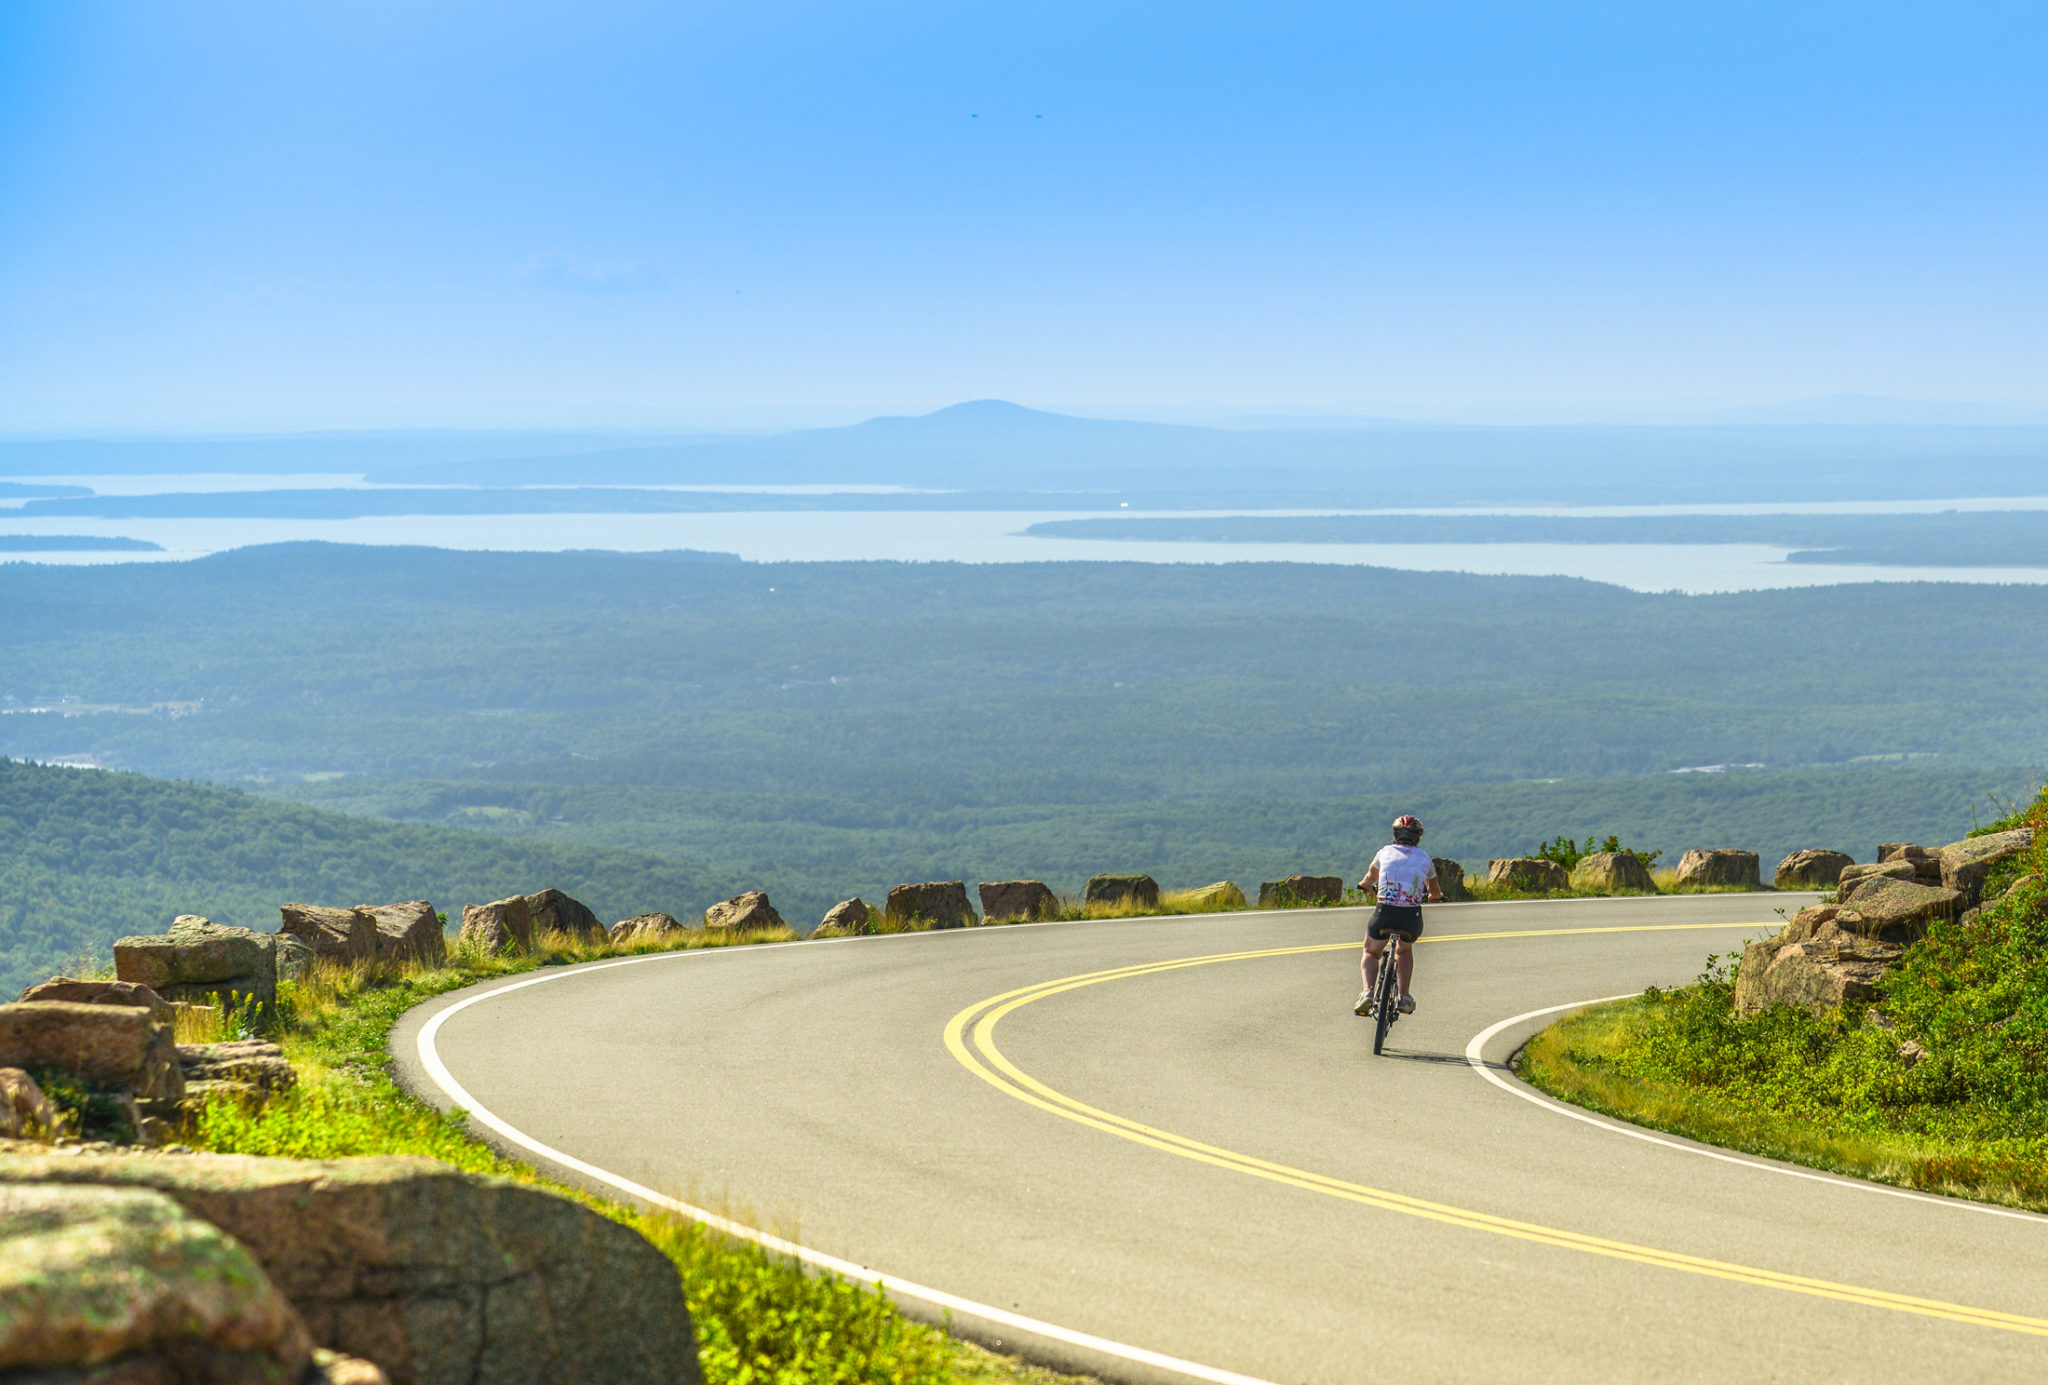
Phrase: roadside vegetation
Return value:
(760, 1318)
(1484, 891)
(1073, 909)
(1939, 1083)
(1170, 902)
(1204, 901)
(1667, 882)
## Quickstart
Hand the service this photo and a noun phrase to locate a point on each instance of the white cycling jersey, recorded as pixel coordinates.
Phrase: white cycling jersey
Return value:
(1404, 875)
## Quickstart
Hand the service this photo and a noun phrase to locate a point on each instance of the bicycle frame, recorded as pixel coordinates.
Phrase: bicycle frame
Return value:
(1386, 990)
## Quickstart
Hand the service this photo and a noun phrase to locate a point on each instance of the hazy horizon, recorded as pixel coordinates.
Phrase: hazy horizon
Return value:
(1841, 410)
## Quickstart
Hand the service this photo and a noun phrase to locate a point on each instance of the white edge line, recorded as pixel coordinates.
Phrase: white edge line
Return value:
(1474, 1049)
(438, 1073)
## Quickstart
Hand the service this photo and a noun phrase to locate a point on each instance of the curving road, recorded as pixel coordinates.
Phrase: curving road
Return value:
(1162, 1150)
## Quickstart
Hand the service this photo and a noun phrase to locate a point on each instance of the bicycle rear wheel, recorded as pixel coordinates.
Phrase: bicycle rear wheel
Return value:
(1384, 999)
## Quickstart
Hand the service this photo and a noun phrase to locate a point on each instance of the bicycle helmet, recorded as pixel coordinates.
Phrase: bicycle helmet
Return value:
(1408, 830)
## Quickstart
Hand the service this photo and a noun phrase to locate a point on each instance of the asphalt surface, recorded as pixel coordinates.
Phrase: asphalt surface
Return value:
(1206, 1161)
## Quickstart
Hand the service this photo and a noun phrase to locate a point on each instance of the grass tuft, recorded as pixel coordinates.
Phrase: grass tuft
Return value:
(1667, 882)
(203, 1024)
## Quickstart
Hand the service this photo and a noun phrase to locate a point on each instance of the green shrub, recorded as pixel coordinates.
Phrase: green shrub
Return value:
(82, 1111)
(1569, 853)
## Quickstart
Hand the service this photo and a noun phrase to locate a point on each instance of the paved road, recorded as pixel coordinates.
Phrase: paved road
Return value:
(1206, 1162)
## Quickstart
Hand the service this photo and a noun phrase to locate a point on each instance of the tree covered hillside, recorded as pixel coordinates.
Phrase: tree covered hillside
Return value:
(813, 851)
(826, 729)
(956, 684)
(86, 857)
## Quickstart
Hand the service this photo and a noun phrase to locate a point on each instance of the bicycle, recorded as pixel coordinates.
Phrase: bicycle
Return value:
(1386, 990)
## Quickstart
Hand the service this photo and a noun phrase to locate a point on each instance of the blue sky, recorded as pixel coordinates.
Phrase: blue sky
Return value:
(253, 215)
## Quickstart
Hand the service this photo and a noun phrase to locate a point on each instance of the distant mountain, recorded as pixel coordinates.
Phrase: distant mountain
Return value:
(994, 446)
(984, 443)
(982, 422)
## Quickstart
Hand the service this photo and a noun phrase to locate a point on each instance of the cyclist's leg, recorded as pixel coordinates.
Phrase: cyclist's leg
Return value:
(1404, 962)
(1375, 944)
(1369, 961)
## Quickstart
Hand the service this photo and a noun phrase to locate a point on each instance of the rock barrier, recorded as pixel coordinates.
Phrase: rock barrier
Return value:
(245, 1070)
(1853, 877)
(1612, 872)
(1002, 900)
(933, 903)
(500, 926)
(1965, 864)
(848, 918)
(341, 937)
(643, 928)
(114, 1047)
(1720, 866)
(407, 932)
(1837, 954)
(203, 961)
(103, 992)
(1529, 874)
(743, 913)
(551, 911)
(1811, 870)
(437, 1276)
(1121, 891)
(1832, 955)
(164, 1297)
(1297, 891)
(1220, 896)
(1926, 864)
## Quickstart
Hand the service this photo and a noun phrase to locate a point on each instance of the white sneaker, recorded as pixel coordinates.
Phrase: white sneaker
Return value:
(1364, 1005)
(1406, 1005)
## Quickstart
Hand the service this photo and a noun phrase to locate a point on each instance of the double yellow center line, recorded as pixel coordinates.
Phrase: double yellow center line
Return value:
(970, 1036)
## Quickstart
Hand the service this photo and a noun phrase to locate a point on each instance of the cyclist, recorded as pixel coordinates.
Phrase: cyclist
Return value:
(1401, 876)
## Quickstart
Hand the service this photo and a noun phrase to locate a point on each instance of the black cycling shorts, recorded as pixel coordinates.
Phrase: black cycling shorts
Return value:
(1395, 918)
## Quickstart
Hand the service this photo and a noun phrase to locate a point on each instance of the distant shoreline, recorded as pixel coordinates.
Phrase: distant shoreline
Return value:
(74, 543)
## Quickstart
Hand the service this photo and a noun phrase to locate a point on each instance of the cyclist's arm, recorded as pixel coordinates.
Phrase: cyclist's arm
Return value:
(1436, 892)
(1372, 879)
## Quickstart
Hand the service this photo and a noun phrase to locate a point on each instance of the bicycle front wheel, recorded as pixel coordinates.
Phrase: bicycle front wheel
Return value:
(1384, 998)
